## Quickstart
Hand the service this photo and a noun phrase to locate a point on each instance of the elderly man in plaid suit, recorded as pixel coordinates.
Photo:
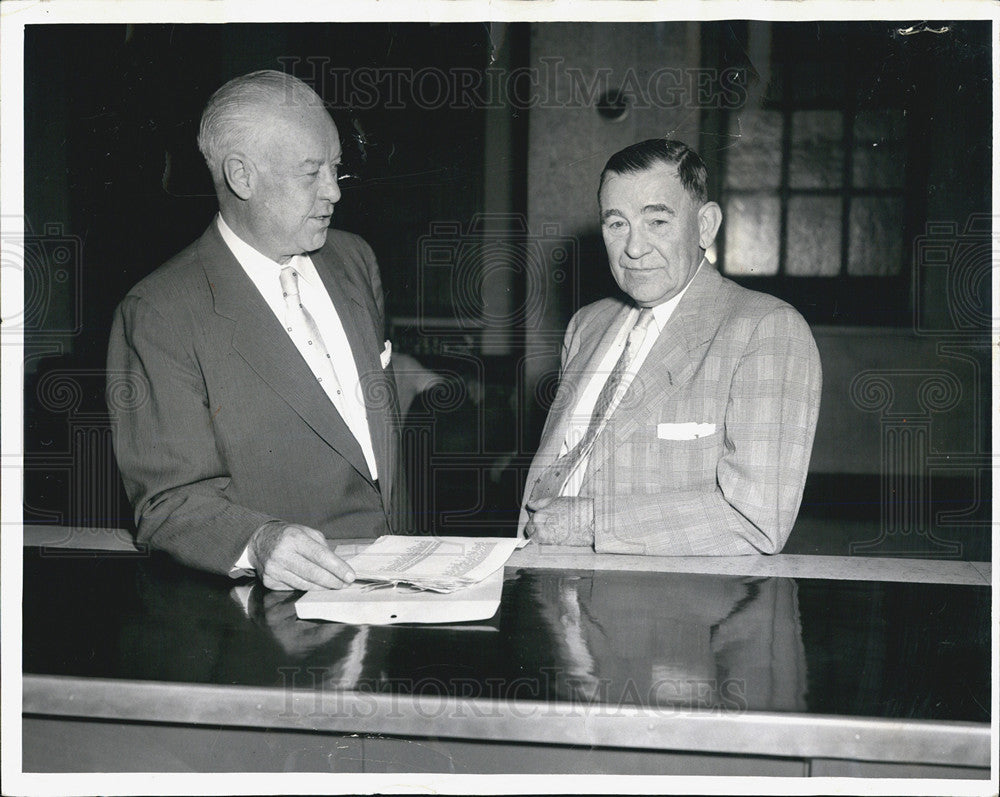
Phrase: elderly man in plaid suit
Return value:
(686, 411)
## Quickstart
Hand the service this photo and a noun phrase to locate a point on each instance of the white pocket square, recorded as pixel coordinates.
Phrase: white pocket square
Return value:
(386, 355)
(684, 431)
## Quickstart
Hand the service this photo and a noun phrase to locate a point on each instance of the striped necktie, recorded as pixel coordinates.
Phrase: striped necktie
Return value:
(551, 482)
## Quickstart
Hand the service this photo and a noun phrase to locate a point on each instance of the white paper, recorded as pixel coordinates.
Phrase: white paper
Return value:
(440, 564)
(360, 605)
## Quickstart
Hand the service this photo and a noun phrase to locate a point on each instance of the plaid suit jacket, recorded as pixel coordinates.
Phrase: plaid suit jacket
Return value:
(737, 360)
(219, 425)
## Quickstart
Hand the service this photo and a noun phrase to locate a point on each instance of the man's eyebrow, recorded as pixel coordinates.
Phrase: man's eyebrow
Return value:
(655, 208)
(317, 162)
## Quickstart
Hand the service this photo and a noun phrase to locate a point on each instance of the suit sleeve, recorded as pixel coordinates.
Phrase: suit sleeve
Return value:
(173, 472)
(769, 425)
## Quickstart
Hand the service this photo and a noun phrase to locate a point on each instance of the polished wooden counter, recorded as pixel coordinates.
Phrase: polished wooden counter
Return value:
(645, 665)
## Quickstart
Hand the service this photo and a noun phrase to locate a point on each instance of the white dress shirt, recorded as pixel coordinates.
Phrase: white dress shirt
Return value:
(349, 402)
(580, 419)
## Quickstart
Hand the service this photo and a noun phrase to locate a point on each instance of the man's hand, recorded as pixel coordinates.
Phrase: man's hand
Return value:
(289, 556)
(561, 521)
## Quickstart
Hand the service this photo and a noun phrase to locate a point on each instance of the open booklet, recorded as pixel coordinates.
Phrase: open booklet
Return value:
(417, 580)
(438, 564)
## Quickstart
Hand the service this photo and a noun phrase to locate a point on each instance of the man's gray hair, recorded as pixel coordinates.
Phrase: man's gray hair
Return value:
(231, 121)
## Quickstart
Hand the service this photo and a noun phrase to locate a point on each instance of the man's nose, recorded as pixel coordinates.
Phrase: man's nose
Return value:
(636, 245)
(329, 188)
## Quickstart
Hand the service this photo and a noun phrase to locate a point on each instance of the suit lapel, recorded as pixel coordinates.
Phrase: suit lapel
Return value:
(366, 344)
(671, 361)
(577, 372)
(259, 339)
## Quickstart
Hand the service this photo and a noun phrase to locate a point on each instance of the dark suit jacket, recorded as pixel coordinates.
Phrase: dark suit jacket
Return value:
(220, 426)
(740, 363)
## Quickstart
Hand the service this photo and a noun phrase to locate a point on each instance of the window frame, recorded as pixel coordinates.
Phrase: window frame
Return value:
(844, 298)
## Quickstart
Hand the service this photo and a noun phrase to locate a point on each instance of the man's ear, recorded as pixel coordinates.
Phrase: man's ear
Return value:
(240, 174)
(709, 221)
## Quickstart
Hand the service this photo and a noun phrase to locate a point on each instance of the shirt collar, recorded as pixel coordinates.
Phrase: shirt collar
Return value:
(663, 311)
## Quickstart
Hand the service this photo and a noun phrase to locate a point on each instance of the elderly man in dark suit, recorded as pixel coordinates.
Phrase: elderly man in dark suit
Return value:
(266, 420)
(685, 414)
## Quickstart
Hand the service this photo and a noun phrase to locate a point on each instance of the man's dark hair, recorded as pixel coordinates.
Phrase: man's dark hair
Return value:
(646, 154)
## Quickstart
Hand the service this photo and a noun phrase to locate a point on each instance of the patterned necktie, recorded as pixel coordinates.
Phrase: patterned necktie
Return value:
(299, 320)
(551, 482)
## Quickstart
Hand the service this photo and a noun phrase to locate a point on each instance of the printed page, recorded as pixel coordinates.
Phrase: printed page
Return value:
(442, 564)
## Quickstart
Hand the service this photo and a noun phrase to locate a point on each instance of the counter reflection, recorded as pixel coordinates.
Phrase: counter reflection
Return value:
(729, 643)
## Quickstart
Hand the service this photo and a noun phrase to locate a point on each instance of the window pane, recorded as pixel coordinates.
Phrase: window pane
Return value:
(876, 244)
(879, 154)
(753, 154)
(813, 236)
(751, 225)
(817, 149)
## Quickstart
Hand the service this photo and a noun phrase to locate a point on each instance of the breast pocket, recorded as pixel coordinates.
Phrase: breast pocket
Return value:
(689, 464)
